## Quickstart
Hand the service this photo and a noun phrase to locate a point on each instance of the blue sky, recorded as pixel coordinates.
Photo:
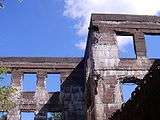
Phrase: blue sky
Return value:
(54, 27)
(127, 89)
(37, 28)
(59, 27)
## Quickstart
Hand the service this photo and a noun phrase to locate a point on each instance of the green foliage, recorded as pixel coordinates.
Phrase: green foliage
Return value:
(5, 92)
(3, 71)
(5, 101)
(2, 3)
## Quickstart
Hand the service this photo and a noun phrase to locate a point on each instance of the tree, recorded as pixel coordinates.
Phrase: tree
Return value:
(5, 94)
(2, 3)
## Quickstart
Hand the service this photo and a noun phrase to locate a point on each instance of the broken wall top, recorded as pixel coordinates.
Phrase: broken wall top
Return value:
(147, 24)
(124, 25)
(125, 17)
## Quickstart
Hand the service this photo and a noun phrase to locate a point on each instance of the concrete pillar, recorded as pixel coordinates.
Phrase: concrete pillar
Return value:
(140, 47)
(104, 54)
(72, 95)
(14, 113)
(104, 50)
(41, 96)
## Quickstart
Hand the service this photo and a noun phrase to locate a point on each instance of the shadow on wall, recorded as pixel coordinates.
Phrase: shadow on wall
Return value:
(70, 101)
(144, 102)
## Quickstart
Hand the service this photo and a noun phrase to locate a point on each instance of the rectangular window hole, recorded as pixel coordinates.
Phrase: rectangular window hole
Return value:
(29, 82)
(152, 46)
(54, 116)
(3, 115)
(53, 82)
(127, 89)
(126, 47)
(5, 80)
(27, 115)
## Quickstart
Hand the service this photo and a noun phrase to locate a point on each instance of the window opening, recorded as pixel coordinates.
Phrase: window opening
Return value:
(29, 82)
(27, 115)
(53, 82)
(127, 89)
(3, 115)
(54, 116)
(126, 47)
(152, 46)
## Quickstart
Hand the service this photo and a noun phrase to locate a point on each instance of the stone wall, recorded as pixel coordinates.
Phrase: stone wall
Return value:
(69, 101)
(90, 86)
(144, 101)
(105, 69)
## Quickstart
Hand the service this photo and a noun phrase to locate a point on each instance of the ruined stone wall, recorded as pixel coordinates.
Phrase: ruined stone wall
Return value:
(69, 101)
(90, 86)
(108, 71)
(144, 101)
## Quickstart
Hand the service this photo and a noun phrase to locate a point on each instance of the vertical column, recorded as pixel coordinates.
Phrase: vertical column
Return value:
(105, 58)
(104, 49)
(140, 45)
(67, 96)
(14, 113)
(72, 92)
(99, 104)
(113, 94)
(41, 96)
(108, 97)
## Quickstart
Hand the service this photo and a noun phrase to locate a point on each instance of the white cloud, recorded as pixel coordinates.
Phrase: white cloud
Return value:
(158, 13)
(81, 10)
(81, 45)
(123, 41)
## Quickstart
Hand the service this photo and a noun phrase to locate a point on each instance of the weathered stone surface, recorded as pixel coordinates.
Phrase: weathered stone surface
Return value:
(90, 86)
(69, 100)
(105, 70)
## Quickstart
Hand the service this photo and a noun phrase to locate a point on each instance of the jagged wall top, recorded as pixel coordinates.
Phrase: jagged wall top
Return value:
(125, 17)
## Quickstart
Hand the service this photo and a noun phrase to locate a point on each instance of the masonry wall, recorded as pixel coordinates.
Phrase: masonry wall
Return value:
(69, 101)
(106, 70)
(144, 101)
(90, 86)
